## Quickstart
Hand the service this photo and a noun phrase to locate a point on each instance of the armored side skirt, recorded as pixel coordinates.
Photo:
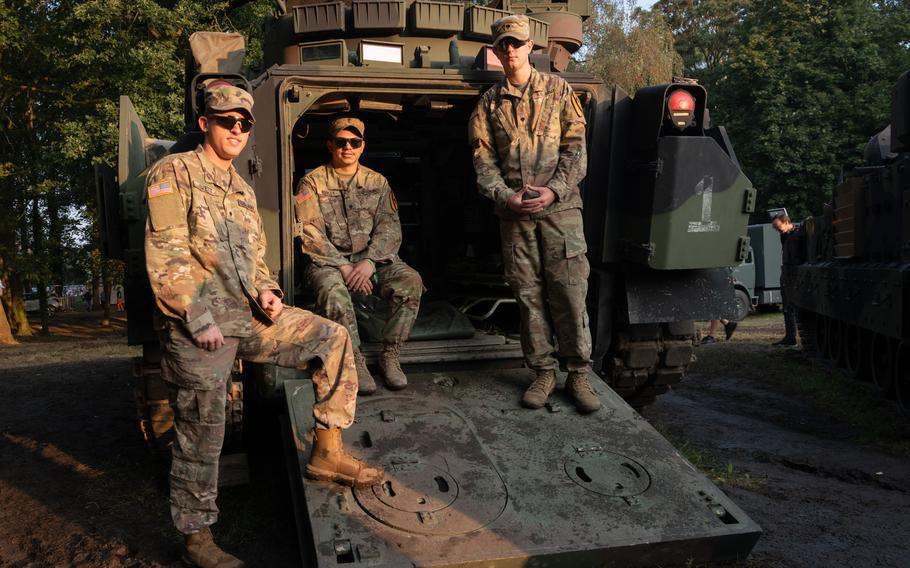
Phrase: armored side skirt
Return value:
(870, 295)
(472, 479)
(655, 296)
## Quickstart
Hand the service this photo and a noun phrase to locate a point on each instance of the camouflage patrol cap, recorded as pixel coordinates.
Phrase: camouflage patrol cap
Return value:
(355, 125)
(516, 26)
(228, 97)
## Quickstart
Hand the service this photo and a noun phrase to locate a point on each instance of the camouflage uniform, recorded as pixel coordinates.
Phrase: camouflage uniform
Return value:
(536, 136)
(204, 252)
(343, 222)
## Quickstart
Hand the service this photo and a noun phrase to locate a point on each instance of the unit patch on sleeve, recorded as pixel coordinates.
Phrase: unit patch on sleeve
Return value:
(161, 188)
(577, 104)
(393, 203)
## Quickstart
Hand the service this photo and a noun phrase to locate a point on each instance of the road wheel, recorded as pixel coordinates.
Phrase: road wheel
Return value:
(852, 349)
(743, 305)
(836, 341)
(822, 329)
(864, 367)
(883, 362)
(902, 376)
(806, 322)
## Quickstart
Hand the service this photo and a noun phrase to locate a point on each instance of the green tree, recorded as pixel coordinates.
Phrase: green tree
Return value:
(814, 79)
(627, 46)
(800, 85)
(64, 64)
(704, 31)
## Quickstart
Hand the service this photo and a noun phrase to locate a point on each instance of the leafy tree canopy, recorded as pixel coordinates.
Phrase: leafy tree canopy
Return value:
(801, 85)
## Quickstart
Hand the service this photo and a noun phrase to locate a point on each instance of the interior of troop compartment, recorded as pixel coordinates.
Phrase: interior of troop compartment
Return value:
(450, 234)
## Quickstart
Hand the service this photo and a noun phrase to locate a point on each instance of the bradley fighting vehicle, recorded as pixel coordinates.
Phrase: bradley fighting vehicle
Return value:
(847, 271)
(472, 479)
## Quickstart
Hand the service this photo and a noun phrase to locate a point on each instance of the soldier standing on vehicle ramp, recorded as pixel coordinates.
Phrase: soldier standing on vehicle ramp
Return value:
(216, 301)
(349, 228)
(528, 139)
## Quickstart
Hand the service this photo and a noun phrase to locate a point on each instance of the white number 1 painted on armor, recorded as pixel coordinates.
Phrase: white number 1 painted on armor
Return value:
(705, 188)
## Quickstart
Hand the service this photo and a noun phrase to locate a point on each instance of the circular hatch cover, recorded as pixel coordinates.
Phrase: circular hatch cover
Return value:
(421, 498)
(608, 473)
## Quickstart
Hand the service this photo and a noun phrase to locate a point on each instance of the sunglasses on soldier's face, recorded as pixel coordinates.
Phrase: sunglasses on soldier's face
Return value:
(340, 142)
(230, 122)
(512, 42)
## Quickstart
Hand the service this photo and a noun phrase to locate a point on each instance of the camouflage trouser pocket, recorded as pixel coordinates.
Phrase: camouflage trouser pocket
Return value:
(188, 366)
(520, 264)
(568, 264)
(199, 421)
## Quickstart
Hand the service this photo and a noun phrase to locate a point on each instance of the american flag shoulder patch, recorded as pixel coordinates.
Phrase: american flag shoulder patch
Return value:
(303, 196)
(161, 188)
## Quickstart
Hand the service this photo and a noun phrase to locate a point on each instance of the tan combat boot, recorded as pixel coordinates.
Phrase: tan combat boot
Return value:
(582, 392)
(395, 378)
(540, 390)
(202, 551)
(330, 462)
(365, 383)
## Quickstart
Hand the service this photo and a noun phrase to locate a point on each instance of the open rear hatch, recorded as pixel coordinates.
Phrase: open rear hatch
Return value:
(472, 479)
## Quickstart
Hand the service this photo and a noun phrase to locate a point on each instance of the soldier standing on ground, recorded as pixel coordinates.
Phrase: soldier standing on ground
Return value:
(528, 138)
(215, 301)
(783, 225)
(349, 229)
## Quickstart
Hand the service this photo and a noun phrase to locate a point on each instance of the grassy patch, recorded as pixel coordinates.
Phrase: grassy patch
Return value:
(716, 470)
(830, 391)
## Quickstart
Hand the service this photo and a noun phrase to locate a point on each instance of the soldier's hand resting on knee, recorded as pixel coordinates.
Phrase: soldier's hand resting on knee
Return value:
(270, 303)
(210, 339)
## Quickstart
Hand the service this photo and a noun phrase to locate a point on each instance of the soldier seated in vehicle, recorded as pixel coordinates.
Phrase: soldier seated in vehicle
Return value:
(349, 228)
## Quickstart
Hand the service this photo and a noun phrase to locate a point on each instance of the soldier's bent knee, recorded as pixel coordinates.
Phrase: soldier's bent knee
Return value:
(412, 284)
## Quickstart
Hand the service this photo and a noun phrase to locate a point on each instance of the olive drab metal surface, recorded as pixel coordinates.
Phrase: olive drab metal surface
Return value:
(471, 480)
(845, 270)
(474, 480)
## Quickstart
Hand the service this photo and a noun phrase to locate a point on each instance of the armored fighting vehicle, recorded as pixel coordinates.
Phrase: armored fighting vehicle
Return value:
(846, 271)
(666, 207)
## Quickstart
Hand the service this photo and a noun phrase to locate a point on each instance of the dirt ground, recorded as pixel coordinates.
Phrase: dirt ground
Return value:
(819, 460)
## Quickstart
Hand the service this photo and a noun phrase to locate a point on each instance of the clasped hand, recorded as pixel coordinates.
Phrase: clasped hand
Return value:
(358, 277)
(534, 204)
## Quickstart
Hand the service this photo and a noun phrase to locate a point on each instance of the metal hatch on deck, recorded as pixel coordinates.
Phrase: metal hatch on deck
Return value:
(472, 479)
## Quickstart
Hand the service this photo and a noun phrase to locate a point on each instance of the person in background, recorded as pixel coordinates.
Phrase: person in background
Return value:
(783, 225)
(714, 326)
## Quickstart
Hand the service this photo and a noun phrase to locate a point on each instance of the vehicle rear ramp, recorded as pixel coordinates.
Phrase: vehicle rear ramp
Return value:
(473, 479)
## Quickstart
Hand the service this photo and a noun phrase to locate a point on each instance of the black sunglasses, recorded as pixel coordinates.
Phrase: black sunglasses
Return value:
(510, 42)
(340, 142)
(229, 122)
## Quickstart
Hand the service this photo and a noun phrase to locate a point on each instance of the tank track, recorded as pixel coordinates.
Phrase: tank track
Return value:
(648, 359)
(863, 354)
